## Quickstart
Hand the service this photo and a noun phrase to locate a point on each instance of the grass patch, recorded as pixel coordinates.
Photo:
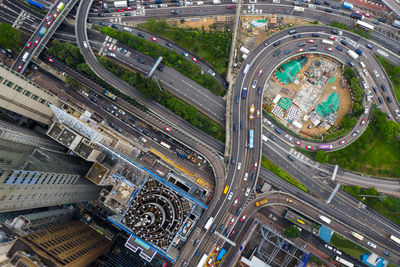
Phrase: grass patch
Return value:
(280, 173)
(393, 73)
(211, 45)
(358, 31)
(347, 246)
(390, 207)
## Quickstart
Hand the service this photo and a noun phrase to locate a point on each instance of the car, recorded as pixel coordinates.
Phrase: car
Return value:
(230, 7)
(387, 253)
(235, 202)
(130, 8)
(328, 49)
(168, 44)
(369, 46)
(258, 113)
(186, 54)
(356, 132)
(309, 147)
(127, 14)
(376, 73)
(50, 60)
(255, 165)
(367, 15)
(211, 72)
(154, 39)
(140, 60)
(233, 219)
(217, 248)
(369, 243)
(230, 195)
(36, 42)
(28, 45)
(344, 141)
(120, 10)
(96, 10)
(55, 16)
(297, 142)
(300, 50)
(288, 137)
(287, 51)
(232, 233)
(195, 59)
(260, 72)
(175, 12)
(366, 109)
(296, 36)
(337, 251)
(49, 23)
(167, 129)
(311, 41)
(48, 18)
(267, 43)
(20, 68)
(243, 218)
(246, 175)
(332, 37)
(363, 121)
(328, 247)
(289, 200)
(239, 166)
(365, 72)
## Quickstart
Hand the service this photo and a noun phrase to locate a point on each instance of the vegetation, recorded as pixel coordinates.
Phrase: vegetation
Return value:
(292, 232)
(211, 45)
(70, 55)
(394, 74)
(358, 31)
(389, 207)
(280, 173)
(10, 38)
(170, 58)
(315, 260)
(41, 11)
(347, 246)
(148, 88)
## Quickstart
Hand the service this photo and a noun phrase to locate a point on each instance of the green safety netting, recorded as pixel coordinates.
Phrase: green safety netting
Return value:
(329, 106)
(287, 71)
(285, 102)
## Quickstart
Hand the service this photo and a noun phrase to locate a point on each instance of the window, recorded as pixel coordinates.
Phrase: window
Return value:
(1, 78)
(19, 89)
(27, 93)
(42, 101)
(34, 97)
(10, 84)
(5, 81)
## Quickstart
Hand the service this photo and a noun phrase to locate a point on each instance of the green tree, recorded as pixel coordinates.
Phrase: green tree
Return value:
(10, 38)
(321, 156)
(292, 232)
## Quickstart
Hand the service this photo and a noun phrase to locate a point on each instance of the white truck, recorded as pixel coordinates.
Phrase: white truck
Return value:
(120, 4)
(216, 2)
(352, 54)
(298, 9)
(25, 56)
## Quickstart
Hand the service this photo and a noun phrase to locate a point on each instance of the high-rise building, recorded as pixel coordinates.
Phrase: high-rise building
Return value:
(35, 173)
(73, 244)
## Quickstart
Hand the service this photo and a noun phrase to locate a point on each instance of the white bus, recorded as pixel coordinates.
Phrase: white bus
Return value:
(202, 260)
(246, 69)
(327, 42)
(165, 145)
(365, 26)
(264, 138)
(344, 262)
(208, 224)
(395, 239)
(324, 219)
(357, 235)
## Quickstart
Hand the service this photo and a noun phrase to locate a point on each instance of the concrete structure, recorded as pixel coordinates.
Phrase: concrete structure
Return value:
(70, 244)
(21, 96)
(32, 177)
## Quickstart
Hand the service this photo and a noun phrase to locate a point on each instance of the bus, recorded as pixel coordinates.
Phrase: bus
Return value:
(357, 235)
(42, 31)
(365, 26)
(262, 202)
(327, 42)
(208, 224)
(36, 4)
(221, 255)
(165, 145)
(300, 221)
(202, 260)
(251, 139)
(246, 69)
(60, 6)
(109, 95)
(325, 147)
(324, 219)
(226, 189)
(395, 239)
(344, 262)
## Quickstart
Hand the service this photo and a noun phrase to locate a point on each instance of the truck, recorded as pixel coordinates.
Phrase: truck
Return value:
(119, 4)
(60, 6)
(352, 54)
(244, 50)
(25, 56)
(347, 5)
(396, 23)
(358, 51)
(356, 15)
(42, 31)
(208, 224)
(216, 2)
(324, 219)
(298, 9)
(357, 235)
(221, 254)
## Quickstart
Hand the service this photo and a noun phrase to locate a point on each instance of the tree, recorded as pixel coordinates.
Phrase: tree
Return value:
(292, 231)
(321, 156)
(10, 38)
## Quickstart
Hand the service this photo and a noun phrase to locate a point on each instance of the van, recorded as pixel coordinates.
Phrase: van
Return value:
(271, 137)
(362, 65)
(253, 177)
(291, 157)
(312, 48)
(277, 43)
(200, 3)
(241, 125)
(292, 31)
(301, 44)
(343, 42)
(328, 10)
(235, 127)
(233, 160)
(389, 99)
(213, 228)
(239, 166)
(246, 175)
(383, 87)
(315, 35)
(197, 253)
(196, 242)
(115, 26)
(247, 192)
(276, 53)
(278, 130)
(140, 34)
(339, 48)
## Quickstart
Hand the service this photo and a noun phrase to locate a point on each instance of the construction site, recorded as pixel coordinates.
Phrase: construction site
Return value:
(308, 95)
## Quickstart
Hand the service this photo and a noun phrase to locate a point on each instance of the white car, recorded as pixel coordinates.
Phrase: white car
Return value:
(211, 72)
(288, 137)
(356, 132)
(246, 175)
(371, 244)
(328, 247)
(121, 111)
(247, 192)
(337, 251)
(366, 109)
(230, 196)
(376, 73)
(239, 166)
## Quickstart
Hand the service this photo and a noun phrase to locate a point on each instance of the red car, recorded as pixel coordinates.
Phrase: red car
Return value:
(235, 202)
(48, 18)
(328, 49)
(255, 165)
(154, 39)
(36, 42)
(232, 220)
(19, 68)
(300, 50)
(367, 15)
(129, 8)
(229, 7)
(362, 122)
(49, 23)
(120, 10)
(260, 72)
(332, 37)
(28, 44)
(258, 113)
(310, 147)
(195, 59)
(243, 218)
(344, 141)
(55, 16)
(167, 129)
(50, 60)
(232, 233)
(298, 142)
(311, 41)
